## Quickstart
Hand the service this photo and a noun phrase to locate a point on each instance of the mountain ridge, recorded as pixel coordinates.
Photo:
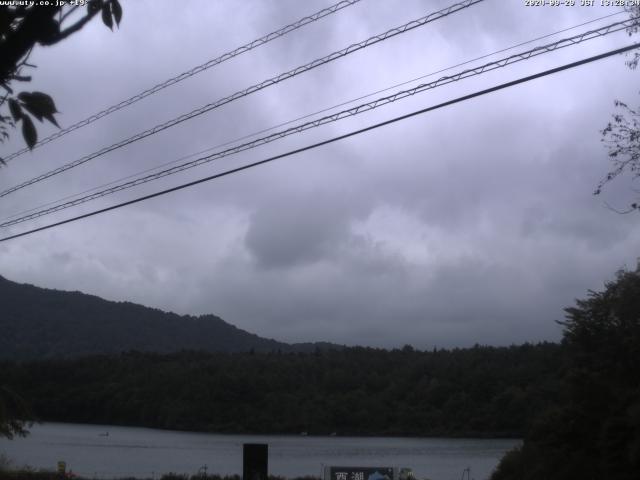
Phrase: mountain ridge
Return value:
(42, 323)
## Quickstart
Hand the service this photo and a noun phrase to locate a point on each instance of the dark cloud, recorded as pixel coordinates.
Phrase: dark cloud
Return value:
(474, 223)
(298, 229)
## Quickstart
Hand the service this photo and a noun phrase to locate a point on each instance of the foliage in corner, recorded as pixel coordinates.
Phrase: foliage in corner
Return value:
(594, 431)
(22, 27)
(622, 134)
(14, 414)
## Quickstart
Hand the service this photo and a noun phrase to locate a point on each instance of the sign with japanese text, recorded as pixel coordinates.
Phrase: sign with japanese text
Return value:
(361, 473)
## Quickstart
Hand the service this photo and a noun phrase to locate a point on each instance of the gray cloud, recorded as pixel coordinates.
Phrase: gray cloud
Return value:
(299, 229)
(473, 223)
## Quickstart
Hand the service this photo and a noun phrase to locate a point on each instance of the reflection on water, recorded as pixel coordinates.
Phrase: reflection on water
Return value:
(143, 452)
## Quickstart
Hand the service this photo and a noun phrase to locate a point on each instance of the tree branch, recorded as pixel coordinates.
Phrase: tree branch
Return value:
(69, 12)
(75, 27)
(36, 22)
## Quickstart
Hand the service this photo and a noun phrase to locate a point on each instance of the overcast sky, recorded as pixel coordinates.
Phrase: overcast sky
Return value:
(472, 223)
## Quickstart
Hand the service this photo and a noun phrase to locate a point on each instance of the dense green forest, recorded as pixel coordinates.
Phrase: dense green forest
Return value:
(593, 430)
(577, 404)
(480, 391)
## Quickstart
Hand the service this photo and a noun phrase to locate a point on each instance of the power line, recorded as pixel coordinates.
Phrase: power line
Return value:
(332, 140)
(254, 134)
(189, 73)
(254, 88)
(566, 42)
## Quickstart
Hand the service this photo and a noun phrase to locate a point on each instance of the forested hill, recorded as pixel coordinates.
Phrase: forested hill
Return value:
(480, 391)
(39, 323)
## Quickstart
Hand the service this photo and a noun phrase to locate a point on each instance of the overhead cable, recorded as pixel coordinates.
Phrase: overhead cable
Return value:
(309, 115)
(254, 88)
(365, 107)
(189, 73)
(330, 140)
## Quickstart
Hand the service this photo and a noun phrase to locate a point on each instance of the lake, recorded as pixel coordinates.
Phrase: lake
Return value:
(144, 452)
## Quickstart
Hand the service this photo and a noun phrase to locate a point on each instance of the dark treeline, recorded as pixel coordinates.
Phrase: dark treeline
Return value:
(593, 431)
(480, 391)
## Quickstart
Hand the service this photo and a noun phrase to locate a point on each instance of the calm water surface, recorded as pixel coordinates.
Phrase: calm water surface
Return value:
(144, 452)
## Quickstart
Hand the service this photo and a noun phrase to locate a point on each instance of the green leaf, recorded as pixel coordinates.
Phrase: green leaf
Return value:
(43, 102)
(116, 9)
(106, 15)
(29, 131)
(15, 109)
(33, 111)
(40, 105)
(52, 119)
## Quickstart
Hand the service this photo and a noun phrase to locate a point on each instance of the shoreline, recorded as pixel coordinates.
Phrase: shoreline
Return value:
(346, 435)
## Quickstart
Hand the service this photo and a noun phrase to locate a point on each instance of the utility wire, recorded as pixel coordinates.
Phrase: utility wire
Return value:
(333, 139)
(257, 87)
(327, 109)
(189, 73)
(365, 107)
